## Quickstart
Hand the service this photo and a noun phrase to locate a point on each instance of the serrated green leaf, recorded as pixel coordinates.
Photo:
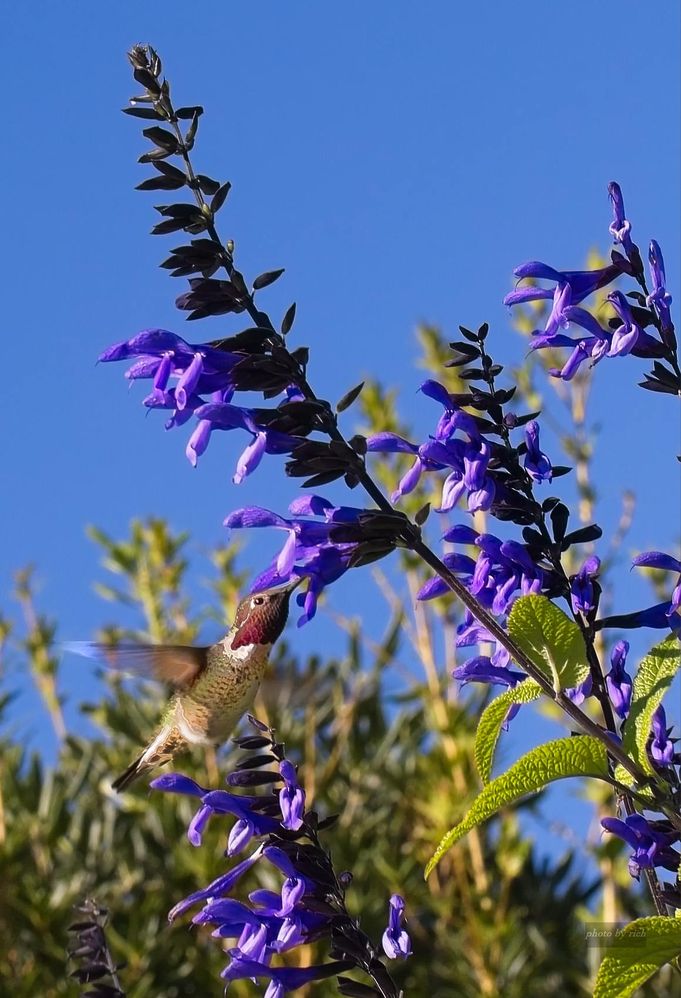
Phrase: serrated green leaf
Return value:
(628, 965)
(550, 639)
(652, 680)
(581, 755)
(491, 720)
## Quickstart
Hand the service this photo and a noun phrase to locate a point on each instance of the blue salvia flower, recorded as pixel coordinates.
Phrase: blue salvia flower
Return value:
(467, 459)
(581, 284)
(583, 592)
(282, 979)
(309, 903)
(626, 336)
(665, 563)
(225, 416)
(620, 227)
(661, 745)
(618, 681)
(291, 797)
(308, 550)
(536, 463)
(651, 841)
(163, 356)
(578, 694)
(396, 941)
(503, 570)
(659, 299)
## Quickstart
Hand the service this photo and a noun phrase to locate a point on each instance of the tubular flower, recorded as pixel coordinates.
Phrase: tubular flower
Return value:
(396, 942)
(536, 463)
(164, 356)
(224, 416)
(650, 840)
(627, 335)
(581, 283)
(659, 298)
(308, 551)
(620, 228)
(467, 459)
(583, 589)
(661, 746)
(665, 563)
(618, 681)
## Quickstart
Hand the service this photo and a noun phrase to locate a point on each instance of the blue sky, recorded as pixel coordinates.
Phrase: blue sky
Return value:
(399, 161)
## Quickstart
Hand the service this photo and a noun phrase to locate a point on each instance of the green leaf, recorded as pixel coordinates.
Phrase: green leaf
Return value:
(640, 949)
(580, 755)
(489, 726)
(653, 679)
(550, 639)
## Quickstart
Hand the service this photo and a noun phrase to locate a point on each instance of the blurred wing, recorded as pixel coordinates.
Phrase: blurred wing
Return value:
(178, 665)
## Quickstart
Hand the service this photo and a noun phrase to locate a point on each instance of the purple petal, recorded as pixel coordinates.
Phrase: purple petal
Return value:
(239, 837)
(198, 441)
(177, 783)
(188, 380)
(198, 824)
(657, 559)
(255, 516)
(250, 458)
(531, 293)
(309, 505)
(390, 443)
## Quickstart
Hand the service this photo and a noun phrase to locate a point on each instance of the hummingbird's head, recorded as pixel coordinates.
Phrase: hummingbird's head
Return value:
(260, 617)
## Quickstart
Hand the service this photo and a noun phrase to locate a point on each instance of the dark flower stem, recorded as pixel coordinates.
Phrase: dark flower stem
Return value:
(411, 535)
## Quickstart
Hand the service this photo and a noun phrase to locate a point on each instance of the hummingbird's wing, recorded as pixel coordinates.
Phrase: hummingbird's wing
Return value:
(178, 665)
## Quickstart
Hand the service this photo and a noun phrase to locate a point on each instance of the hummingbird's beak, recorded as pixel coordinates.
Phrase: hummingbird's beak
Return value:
(292, 585)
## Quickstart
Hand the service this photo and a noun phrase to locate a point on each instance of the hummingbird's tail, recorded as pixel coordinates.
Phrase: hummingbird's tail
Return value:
(135, 769)
(161, 750)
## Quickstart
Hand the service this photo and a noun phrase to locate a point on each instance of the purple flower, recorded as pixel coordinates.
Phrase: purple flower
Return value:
(650, 840)
(218, 888)
(483, 669)
(582, 283)
(592, 348)
(661, 746)
(665, 563)
(536, 464)
(578, 694)
(467, 459)
(396, 942)
(620, 228)
(583, 592)
(659, 298)
(618, 680)
(291, 797)
(282, 979)
(308, 551)
(162, 356)
(628, 334)
(225, 416)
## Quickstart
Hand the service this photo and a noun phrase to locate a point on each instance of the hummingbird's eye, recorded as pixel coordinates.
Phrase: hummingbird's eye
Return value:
(258, 600)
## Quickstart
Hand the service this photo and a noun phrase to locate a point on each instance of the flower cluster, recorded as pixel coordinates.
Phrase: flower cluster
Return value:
(182, 374)
(310, 903)
(309, 550)
(633, 313)
(466, 459)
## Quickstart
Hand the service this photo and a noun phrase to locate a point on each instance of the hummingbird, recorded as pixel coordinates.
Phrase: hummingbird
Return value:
(213, 685)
